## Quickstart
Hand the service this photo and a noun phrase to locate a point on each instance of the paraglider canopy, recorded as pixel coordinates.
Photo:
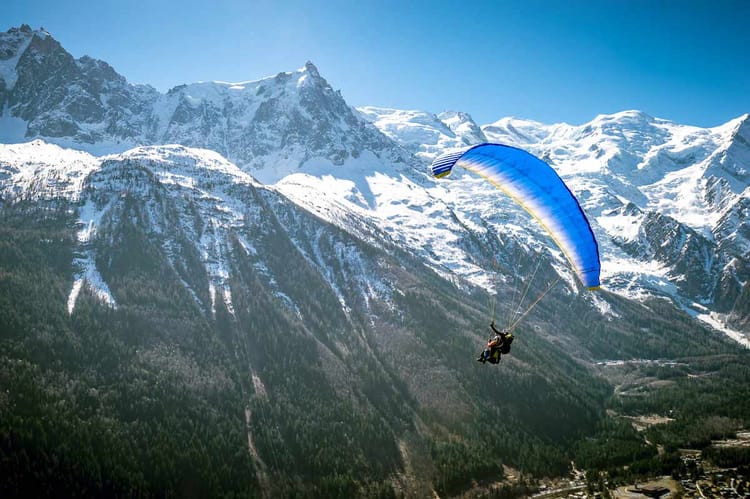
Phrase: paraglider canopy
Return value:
(538, 188)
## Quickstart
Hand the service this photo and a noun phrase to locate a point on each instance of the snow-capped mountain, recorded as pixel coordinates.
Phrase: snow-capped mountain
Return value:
(46, 92)
(640, 179)
(424, 134)
(273, 126)
(664, 199)
(270, 126)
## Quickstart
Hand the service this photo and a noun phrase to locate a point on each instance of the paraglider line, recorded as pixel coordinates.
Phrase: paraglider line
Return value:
(535, 303)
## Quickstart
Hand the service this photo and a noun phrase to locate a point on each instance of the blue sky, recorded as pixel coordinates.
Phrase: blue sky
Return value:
(551, 61)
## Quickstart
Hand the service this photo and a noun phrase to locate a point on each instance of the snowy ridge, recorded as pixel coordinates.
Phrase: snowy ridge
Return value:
(37, 170)
(41, 171)
(173, 187)
(216, 185)
(421, 133)
(368, 199)
(45, 172)
(518, 132)
(464, 126)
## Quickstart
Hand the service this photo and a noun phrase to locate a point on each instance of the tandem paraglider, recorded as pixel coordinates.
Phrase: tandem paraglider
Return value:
(537, 188)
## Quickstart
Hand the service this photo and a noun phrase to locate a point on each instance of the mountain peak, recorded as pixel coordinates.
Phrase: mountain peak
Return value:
(12, 43)
(26, 31)
(464, 126)
(630, 117)
(454, 114)
(310, 68)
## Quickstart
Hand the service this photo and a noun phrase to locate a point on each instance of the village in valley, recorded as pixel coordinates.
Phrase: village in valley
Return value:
(696, 478)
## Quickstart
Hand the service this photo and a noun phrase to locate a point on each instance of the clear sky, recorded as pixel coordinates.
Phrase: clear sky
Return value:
(548, 60)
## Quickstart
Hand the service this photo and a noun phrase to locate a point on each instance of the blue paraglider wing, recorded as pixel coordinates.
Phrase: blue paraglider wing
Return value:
(535, 186)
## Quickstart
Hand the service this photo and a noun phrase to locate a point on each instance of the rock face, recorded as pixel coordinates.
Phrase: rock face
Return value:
(59, 96)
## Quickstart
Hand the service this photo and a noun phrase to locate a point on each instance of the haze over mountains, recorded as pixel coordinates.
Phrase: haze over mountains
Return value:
(270, 247)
